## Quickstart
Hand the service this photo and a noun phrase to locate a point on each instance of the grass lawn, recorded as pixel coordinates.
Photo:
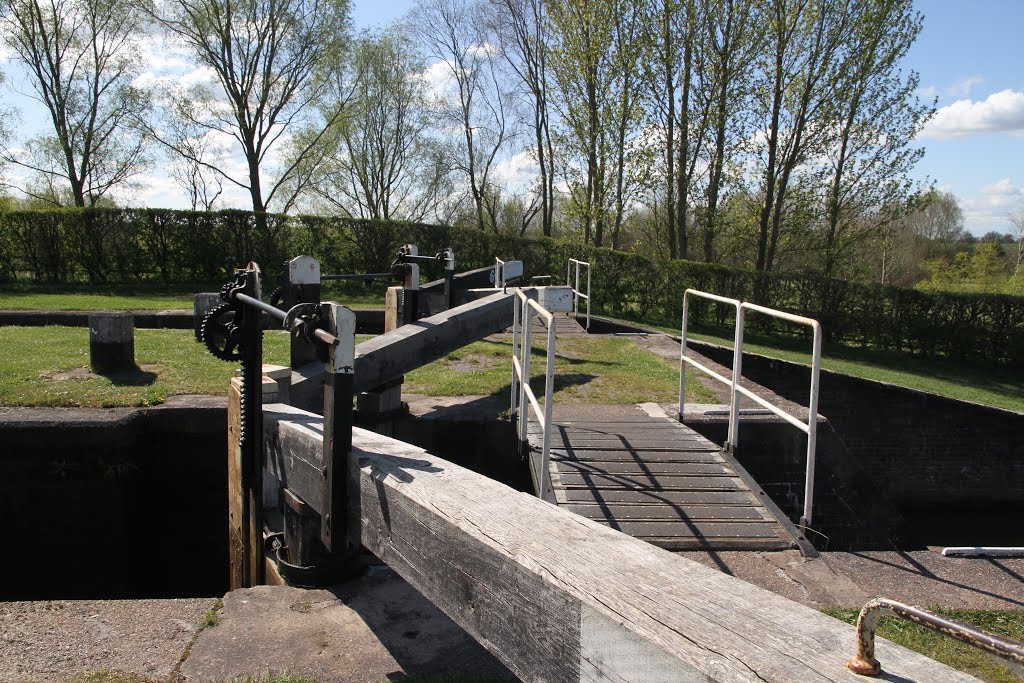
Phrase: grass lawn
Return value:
(1002, 387)
(587, 370)
(44, 366)
(148, 297)
(948, 651)
(47, 366)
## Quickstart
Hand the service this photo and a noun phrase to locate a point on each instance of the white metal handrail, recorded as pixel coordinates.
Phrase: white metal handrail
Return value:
(736, 387)
(684, 359)
(576, 293)
(521, 390)
(499, 273)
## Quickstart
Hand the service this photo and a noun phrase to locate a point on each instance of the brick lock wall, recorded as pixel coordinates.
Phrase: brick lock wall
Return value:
(922, 448)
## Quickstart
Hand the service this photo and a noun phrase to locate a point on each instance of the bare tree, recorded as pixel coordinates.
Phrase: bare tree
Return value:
(81, 57)
(521, 30)
(454, 35)
(938, 218)
(272, 60)
(195, 169)
(1017, 221)
(386, 164)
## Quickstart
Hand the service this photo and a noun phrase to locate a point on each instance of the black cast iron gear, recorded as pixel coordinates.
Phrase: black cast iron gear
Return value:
(221, 335)
(277, 298)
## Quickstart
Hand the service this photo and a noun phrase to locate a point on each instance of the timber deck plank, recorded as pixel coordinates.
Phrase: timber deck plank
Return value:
(656, 479)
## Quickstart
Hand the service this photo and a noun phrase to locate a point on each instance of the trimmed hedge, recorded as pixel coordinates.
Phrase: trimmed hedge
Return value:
(136, 245)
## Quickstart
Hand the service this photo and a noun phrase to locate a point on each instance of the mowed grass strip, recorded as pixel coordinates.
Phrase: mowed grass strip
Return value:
(587, 370)
(149, 297)
(47, 366)
(988, 384)
(1009, 624)
(15, 301)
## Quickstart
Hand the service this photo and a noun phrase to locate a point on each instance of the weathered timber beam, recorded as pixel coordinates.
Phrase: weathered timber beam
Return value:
(406, 348)
(561, 598)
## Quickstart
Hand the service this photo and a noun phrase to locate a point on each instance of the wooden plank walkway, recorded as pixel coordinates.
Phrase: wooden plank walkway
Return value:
(660, 481)
(565, 325)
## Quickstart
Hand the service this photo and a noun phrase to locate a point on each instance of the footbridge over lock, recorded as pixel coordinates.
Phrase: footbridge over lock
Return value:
(644, 474)
(553, 594)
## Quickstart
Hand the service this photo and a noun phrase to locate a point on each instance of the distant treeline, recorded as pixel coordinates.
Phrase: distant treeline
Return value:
(146, 245)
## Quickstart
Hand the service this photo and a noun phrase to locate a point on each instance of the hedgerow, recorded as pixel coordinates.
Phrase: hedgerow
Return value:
(138, 245)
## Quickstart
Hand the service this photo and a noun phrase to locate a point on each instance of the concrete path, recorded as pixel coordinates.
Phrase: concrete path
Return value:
(373, 628)
(844, 579)
(48, 641)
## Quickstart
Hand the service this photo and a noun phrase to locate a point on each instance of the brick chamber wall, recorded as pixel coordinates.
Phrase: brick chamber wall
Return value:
(115, 504)
(921, 448)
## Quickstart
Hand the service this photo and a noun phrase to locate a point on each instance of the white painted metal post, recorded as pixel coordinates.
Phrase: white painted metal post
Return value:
(682, 354)
(576, 293)
(737, 374)
(515, 357)
(589, 270)
(812, 427)
(549, 389)
(524, 380)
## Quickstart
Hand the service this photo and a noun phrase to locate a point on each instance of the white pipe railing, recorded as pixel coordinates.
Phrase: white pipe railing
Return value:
(499, 273)
(521, 390)
(736, 387)
(683, 359)
(577, 294)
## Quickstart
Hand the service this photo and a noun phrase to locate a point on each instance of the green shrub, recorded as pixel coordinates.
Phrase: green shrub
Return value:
(136, 245)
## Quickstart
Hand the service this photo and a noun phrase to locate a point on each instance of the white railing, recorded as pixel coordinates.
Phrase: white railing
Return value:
(499, 273)
(521, 391)
(736, 387)
(577, 294)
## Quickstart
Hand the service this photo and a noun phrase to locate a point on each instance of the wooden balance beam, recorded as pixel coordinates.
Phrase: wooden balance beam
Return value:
(558, 597)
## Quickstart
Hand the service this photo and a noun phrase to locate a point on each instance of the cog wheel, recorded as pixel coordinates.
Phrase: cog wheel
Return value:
(277, 298)
(221, 335)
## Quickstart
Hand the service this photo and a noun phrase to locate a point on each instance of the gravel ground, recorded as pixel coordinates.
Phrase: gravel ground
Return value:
(53, 640)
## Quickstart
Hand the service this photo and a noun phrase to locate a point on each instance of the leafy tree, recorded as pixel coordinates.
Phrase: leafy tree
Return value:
(595, 53)
(273, 61)
(869, 159)
(80, 57)
(733, 40)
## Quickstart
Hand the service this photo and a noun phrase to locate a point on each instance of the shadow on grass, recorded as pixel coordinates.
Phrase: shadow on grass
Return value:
(135, 377)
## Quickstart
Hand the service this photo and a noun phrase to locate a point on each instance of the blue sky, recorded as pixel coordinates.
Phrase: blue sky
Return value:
(968, 55)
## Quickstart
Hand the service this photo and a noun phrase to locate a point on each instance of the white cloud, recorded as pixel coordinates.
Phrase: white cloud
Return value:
(517, 172)
(963, 87)
(1002, 194)
(958, 89)
(165, 55)
(1001, 112)
(987, 210)
(440, 81)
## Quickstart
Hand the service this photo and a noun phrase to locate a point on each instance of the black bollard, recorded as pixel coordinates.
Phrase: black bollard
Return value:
(111, 342)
